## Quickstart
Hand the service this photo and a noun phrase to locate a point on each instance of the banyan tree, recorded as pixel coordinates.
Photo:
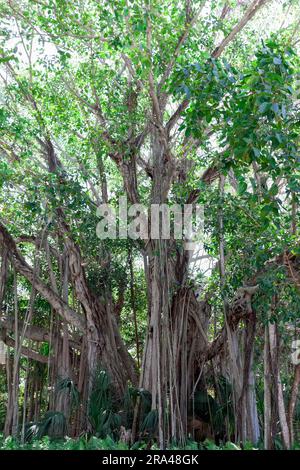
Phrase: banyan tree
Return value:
(164, 103)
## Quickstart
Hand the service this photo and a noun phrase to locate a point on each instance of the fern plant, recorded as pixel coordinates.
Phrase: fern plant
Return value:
(53, 425)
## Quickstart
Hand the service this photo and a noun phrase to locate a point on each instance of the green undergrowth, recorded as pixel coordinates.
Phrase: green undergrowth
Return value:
(95, 443)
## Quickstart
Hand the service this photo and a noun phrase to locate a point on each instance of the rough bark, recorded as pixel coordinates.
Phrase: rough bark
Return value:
(293, 401)
(274, 353)
(267, 394)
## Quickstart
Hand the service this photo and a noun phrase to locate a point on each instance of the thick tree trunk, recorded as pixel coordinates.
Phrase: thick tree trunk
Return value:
(241, 376)
(105, 347)
(248, 428)
(157, 351)
(274, 354)
(176, 341)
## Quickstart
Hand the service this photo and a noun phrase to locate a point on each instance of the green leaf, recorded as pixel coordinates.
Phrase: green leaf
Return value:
(273, 190)
(263, 107)
(242, 187)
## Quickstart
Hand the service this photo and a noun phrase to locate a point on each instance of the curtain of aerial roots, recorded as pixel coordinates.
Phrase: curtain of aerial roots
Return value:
(274, 405)
(187, 344)
(12, 424)
(174, 347)
(154, 370)
(3, 278)
(61, 370)
(247, 417)
(240, 346)
(241, 350)
(275, 409)
(12, 414)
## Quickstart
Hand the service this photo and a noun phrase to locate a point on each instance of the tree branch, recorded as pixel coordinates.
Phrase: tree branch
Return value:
(26, 351)
(255, 6)
(18, 261)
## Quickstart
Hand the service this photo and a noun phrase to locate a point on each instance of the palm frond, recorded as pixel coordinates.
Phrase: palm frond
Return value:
(101, 413)
(67, 385)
